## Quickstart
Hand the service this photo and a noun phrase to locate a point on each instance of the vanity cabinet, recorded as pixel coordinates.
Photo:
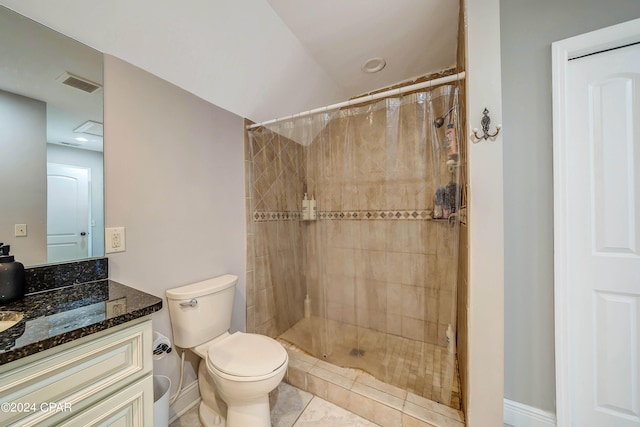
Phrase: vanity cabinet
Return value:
(101, 379)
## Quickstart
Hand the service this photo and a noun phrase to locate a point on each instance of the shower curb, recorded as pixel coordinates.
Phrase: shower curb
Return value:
(355, 391)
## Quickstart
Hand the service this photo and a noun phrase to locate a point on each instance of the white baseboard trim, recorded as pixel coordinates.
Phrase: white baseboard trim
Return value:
(520, 415)
(189, 397)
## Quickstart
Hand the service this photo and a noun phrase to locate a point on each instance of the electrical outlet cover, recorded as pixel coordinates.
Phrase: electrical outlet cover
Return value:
(114, 240)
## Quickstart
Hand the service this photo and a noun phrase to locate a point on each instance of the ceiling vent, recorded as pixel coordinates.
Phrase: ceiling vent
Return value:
(77, 82)
(91, 127)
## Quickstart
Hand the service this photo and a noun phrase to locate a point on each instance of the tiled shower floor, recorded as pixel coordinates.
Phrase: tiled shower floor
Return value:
(427, 370)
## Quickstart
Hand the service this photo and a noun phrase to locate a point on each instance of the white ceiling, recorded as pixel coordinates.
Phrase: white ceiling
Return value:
(263, 59)
(415, 37)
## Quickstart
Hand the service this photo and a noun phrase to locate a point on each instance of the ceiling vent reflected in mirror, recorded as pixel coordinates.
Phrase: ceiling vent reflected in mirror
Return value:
(90, 127)
(78, 82)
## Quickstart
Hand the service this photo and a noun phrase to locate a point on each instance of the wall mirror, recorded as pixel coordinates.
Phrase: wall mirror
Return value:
(51, 144)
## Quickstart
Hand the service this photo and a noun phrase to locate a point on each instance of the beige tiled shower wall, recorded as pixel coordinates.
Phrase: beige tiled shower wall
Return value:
(393, 275)
(274, 172)
(279, 276)
(359, 165)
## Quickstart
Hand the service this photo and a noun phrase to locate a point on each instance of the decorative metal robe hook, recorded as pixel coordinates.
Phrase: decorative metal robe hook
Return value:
(485, 122)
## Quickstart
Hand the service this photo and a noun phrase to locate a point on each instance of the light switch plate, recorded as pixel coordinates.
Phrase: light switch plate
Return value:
(20, 230)
(114, 240)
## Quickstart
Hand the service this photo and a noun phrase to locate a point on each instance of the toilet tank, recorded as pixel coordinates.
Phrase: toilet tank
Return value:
(201, 311)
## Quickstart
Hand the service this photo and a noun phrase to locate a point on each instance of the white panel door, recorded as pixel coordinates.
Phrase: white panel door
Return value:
(67, 212)
(603, 237)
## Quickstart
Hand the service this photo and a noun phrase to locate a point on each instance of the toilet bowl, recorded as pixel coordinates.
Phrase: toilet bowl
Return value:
(245, 368)
(237, 371)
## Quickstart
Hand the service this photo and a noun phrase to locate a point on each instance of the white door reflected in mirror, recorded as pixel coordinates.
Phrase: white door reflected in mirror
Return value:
(68, 212)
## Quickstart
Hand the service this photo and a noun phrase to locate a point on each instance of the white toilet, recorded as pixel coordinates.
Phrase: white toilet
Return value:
(239, 368)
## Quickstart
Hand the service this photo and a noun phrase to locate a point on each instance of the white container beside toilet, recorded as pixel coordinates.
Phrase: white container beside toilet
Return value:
(239, 368)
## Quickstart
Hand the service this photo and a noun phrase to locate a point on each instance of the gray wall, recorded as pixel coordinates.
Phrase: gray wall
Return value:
(527, 30)
(94, 161)
(174, 178)
(23, 176)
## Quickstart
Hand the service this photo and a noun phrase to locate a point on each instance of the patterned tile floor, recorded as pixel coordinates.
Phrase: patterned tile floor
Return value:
(291, 407)
(428, 370)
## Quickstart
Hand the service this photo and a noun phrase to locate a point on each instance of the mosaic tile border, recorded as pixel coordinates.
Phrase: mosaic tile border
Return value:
(266, 216)
(387, 215)
(393, 215)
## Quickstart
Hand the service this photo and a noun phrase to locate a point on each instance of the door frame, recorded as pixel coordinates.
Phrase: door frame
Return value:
(563, 50)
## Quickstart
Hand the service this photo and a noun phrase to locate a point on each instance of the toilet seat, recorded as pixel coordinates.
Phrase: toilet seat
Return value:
(246, 355)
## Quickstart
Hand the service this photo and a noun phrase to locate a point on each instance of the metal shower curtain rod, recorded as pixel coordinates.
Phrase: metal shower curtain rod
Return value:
(367, 98)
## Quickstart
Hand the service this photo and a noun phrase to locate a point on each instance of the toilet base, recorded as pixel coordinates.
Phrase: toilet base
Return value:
(212, 408)
(254, 413)
(209, 417)
(250, 413)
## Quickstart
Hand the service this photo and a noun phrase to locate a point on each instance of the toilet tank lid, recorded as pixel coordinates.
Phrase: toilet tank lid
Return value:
(205, 287)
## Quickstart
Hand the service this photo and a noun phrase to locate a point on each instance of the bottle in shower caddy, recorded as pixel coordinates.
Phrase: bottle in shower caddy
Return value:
(306, 204)
(313, 209)
(307, 306)
(451, 142)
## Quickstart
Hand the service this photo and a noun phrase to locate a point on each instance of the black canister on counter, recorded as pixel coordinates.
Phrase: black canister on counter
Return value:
(11, 276)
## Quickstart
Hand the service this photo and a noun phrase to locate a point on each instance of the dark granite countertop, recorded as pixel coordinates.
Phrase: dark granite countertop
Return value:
(65, 314)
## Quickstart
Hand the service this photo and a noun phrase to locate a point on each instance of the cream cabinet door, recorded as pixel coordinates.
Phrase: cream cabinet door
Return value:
(131, 407)
(47, 388)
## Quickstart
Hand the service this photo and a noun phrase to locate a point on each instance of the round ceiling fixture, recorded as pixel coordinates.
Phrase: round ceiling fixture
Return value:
(373, 65)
